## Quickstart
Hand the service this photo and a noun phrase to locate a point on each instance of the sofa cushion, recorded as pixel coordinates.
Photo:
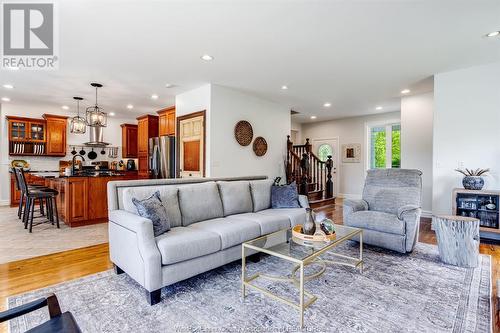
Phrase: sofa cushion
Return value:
(379, 221)
(236, 197)
(168, 196)
(285, 196)
(152, 208)
(261, 194)
(199, 202)
(268, 223)
(231, 231)
(182, 243)
(295, 215)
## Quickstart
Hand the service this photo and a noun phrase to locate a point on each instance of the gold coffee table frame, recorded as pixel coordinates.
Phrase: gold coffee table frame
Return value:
(348, 233)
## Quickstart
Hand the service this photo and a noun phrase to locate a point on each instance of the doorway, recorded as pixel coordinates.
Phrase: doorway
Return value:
(324, 147)
(191, 145)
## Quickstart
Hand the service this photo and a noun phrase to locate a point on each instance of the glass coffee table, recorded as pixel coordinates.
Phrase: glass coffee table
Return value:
(302, 253)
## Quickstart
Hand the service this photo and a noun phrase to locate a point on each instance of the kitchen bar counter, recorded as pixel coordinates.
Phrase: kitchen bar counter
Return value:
(82, 200)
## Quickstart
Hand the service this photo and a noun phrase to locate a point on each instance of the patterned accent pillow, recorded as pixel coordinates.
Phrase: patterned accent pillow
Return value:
(152, 208)
(285, 196)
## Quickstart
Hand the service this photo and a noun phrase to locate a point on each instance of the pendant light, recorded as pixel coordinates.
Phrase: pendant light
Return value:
(78, 124)
(95, 115)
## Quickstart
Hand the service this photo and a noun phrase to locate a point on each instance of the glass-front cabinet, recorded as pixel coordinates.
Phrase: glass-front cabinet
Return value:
(37, 131)
(18, 130)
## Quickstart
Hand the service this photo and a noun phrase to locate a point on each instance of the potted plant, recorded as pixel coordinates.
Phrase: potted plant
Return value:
(473, 179)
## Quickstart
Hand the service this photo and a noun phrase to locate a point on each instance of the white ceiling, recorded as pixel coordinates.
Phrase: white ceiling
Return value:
(354, 54)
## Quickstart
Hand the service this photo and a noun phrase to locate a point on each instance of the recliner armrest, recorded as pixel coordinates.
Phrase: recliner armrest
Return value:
(406, 209)
(355, 205)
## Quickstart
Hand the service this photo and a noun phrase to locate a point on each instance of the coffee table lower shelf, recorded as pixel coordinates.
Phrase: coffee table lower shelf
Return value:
(299, 281)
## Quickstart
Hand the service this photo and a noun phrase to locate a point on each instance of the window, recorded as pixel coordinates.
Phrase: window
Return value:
(324, 151)
(384, 145)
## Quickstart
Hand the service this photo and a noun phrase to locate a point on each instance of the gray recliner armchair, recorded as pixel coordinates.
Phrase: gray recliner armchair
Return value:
(389, 212)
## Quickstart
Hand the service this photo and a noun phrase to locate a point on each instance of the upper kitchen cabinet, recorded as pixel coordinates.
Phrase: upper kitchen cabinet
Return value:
(167, 121)
(56, 134)
(129, 141)
(27, 136)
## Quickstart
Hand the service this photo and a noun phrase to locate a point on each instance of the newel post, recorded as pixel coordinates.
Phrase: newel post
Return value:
(329, 182)
(304, 166)
(288, 166)
(308, 146)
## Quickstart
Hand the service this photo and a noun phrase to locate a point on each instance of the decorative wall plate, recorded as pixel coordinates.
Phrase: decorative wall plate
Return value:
(243, 132)
(260, 146)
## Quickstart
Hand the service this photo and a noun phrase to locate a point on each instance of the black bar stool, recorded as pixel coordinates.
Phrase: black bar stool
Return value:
(31, 196)
(22, 202)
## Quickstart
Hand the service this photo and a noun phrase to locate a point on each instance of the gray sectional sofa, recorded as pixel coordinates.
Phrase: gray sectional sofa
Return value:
(210, 219)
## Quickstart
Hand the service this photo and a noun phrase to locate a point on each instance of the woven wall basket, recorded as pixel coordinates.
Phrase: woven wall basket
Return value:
(243, 132)
(260, 146)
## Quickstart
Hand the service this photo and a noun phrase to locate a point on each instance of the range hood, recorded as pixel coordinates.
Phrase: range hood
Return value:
(96, 137)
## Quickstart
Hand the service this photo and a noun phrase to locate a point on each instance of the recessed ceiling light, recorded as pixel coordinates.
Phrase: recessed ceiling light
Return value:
(378, 108)
(65, 107)
(8, 86)
(5, 99)
(130, 106)
(111, 114)
(154, 96)
(313, 117)
(169, 85)
(327, 105)
(207, 57)
(405, 91)
(283, 87)
(493, 34)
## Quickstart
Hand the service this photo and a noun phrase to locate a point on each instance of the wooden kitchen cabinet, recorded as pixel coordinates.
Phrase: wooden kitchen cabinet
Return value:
(147, 127)
(129, 140)
(167, 121)
(77, 190)
(56, 134)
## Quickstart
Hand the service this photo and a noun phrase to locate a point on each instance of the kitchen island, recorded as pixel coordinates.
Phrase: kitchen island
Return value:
(82, 199)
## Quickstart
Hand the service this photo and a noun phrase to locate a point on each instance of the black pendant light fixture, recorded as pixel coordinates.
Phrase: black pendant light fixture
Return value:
(78, 124)
(95, 115)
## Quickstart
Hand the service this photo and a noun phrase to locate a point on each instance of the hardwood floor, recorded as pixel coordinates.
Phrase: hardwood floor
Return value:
(29, 274)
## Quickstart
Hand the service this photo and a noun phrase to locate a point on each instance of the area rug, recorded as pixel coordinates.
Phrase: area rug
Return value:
(395, 293)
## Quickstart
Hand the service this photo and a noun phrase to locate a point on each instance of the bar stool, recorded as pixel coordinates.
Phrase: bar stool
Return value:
(42, 194)
(20, 209)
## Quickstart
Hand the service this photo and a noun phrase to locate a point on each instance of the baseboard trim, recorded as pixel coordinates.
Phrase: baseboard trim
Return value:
(426, 213)
(4, 202)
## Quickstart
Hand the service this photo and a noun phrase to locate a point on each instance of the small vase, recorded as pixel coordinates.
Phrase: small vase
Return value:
(473, 182)
(309, 227)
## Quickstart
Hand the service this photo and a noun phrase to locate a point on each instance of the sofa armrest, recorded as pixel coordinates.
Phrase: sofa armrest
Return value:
(406, 209)
(351, 206)
(303, 201)
(133, 247)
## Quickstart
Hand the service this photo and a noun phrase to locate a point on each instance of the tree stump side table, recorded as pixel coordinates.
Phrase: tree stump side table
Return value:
(458, 240)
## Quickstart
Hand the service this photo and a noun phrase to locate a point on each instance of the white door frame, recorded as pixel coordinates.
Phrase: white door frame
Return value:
(388, 144)
(335, 161)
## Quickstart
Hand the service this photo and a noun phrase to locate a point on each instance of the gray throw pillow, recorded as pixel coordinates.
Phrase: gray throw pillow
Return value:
(152, 208)
(285, 196)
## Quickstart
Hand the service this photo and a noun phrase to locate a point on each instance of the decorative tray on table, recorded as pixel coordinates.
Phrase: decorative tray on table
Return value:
(319, 235)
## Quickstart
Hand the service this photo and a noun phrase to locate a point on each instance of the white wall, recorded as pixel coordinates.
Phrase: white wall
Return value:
(112, 135)
(349, 130)
(416, 141)
(466, 129)
(298, 128)
(268, 119)
(194, 101)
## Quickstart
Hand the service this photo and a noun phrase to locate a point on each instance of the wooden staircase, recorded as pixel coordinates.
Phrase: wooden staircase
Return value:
(313, 176)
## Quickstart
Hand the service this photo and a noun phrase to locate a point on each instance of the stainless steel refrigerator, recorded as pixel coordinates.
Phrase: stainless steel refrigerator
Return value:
(162, 157)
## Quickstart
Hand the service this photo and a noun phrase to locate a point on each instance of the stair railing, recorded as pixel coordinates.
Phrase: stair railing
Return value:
(305, 168)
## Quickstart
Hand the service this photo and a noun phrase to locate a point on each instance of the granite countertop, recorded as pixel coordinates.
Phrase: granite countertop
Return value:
(56, 174)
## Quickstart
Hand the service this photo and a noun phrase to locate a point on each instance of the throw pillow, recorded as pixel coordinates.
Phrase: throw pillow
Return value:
(152, 208)
(285, 196)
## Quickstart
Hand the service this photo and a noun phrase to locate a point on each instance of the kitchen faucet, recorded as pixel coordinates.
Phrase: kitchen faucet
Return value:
(73, 163)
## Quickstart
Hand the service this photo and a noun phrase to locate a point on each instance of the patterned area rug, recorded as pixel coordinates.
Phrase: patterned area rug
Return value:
(395, 293)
